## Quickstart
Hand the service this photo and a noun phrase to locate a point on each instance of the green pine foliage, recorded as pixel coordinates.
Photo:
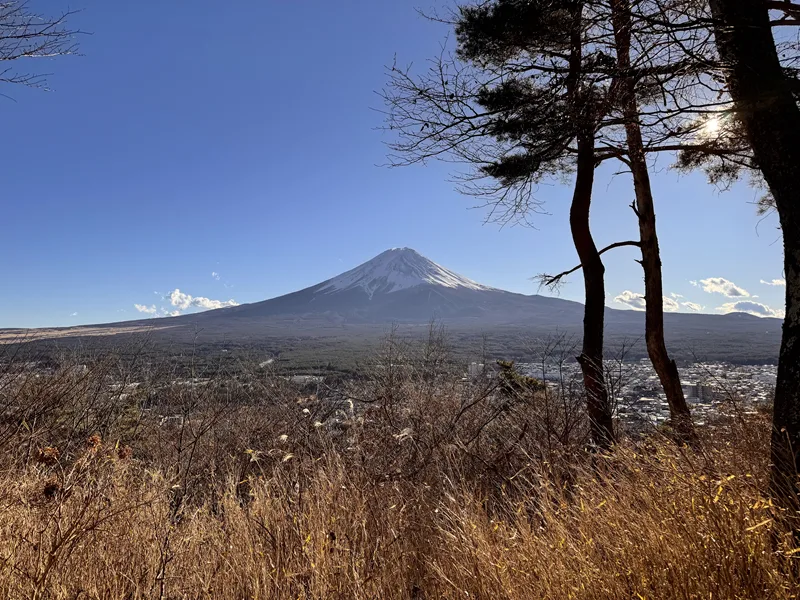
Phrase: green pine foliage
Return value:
(515, 384)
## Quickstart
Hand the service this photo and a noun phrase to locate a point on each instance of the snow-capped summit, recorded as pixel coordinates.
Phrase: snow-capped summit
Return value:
(398, 269)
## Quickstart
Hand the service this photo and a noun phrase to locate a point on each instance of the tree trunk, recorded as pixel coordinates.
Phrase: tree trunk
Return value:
(591, 358)
(765, 105)
(664, 366)
(583, 119)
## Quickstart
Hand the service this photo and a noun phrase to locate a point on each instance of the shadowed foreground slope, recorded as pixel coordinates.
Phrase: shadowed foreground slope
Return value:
(649, 526)
(409, 483)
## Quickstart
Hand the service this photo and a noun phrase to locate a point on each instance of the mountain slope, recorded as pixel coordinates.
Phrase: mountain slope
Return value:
(402, 285)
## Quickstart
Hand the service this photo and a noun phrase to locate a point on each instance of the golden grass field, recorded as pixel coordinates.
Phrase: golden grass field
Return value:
(433, 489)
(655, 525)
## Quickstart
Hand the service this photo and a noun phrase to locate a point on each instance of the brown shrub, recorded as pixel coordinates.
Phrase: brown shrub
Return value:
(407, 483)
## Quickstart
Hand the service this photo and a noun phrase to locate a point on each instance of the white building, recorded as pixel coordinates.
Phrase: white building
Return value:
(698, 391)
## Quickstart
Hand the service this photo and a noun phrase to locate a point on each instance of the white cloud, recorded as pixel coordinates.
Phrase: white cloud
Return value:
(170, 313)
(74, 314)
(671, 305)
(752, 308)
(775, 282)
(637, 301)
(149, 310)
(692, 306)
(629, 298)
(215, 275)
(720, 285)
(183, 301)
(676, 296)
(694, 283)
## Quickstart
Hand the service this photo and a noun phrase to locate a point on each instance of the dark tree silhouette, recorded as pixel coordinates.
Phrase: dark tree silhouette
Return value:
(646, 80)
(27, 35)
(628, 89)
(521, 101)
(765, 95)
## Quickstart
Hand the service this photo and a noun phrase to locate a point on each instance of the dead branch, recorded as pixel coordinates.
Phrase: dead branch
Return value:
(553, 280)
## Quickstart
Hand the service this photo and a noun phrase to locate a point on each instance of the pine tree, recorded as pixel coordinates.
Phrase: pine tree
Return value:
(764, 92)
(521, 101)
(543, 88)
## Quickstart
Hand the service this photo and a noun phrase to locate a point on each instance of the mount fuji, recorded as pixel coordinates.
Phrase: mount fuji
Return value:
(401, 285)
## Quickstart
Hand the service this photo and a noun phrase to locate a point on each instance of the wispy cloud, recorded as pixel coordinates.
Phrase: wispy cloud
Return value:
(74, 314)
(752, 308)
(671, 305)
(184, 301)
(692, 306)
(179, 302)
(637, 301)
(676, 296)
(215, 275)
(775, 282)
(720, 285)
(631, 299)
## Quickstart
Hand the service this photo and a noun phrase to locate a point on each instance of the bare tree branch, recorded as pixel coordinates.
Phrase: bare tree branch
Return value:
(553, 280)
(24, 34)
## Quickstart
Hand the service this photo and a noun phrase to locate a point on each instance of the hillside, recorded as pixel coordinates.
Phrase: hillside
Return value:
(400, 286)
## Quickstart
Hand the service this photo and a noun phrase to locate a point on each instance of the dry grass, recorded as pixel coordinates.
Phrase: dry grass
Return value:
(15, 336)
(654, 524)
(429, 488)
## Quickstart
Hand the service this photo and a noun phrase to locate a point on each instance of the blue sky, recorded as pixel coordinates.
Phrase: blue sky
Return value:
(194, 138)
